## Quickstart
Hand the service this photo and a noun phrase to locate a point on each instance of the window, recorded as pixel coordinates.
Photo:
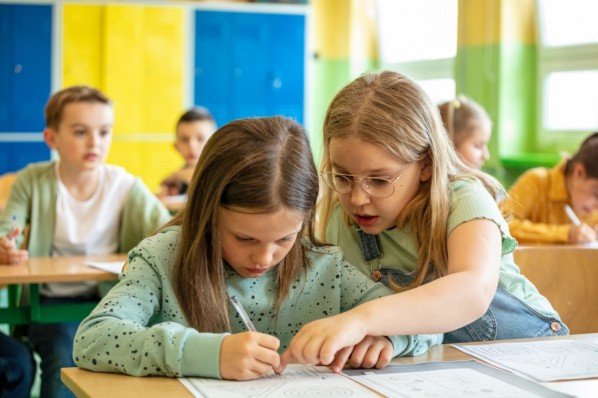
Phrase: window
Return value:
(419, 39)
(567, 72)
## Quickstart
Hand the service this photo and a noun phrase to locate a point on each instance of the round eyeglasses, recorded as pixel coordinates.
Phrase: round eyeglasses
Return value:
(376, 187)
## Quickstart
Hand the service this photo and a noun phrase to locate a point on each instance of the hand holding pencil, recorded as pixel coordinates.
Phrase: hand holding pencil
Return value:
(248, 355)
(9, 253)
(579, 232)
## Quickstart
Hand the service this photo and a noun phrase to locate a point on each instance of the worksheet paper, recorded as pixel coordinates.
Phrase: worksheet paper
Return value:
(296, 381)
(434, 379)
(449, 379)
(114, 267)
(546, 360)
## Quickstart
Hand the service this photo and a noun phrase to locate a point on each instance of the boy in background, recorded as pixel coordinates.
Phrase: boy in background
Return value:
(74, 206)
(193, 129)
(540, 197)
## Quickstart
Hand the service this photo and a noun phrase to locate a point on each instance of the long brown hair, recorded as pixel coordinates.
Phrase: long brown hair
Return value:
(259, 164)
(389, 110)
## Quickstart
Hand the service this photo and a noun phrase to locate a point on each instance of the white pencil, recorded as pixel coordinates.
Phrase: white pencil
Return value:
(242, 313)
(572, 216)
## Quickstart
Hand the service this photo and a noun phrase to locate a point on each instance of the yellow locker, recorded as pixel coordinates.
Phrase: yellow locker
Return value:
(82, 45)
(135, 54)
(164, 58)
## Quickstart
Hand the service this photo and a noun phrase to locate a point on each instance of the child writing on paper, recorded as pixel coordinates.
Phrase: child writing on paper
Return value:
(247, 231)
(74, 206)
(193, 129)
(539, 198)
(470, 128)
(405, 210)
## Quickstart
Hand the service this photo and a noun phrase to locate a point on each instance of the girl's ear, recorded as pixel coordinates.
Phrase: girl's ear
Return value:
(426, 171)
(50, 137)
(579, 171)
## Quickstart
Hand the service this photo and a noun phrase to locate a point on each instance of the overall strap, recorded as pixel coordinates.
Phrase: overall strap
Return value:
(370, 245)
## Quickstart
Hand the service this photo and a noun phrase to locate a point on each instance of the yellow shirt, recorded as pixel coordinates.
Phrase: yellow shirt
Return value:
(537, 206)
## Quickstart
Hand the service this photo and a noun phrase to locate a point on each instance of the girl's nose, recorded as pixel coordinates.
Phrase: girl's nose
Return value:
(264, 256)
(486, 154)
(358, 195)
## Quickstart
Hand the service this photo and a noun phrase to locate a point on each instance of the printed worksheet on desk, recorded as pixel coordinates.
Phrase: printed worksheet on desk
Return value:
(546, 360)
(295, 381)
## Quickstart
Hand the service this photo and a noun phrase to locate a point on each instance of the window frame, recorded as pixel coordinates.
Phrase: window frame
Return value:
(551, 59)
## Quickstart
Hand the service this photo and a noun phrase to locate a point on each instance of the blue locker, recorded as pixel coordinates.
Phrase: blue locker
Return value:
(287, 80)
(32, 58)
(7, 43)
(251, 58)
(25, 81)
(213, 64)
(249, 64)
(16, 155)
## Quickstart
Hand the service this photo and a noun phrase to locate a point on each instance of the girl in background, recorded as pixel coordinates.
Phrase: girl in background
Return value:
(470, 128)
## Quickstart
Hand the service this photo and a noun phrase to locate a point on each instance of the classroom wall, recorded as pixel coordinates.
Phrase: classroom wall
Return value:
(144, 56)
(495, 65)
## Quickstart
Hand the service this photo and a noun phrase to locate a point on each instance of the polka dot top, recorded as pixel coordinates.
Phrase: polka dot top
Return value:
(139, 329)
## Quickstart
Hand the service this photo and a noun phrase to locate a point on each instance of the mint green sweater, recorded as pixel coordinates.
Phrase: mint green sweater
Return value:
(33, 201)
(138, 328)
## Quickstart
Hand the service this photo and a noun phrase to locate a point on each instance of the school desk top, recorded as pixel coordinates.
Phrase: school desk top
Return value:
(39, 270)
(87, 384)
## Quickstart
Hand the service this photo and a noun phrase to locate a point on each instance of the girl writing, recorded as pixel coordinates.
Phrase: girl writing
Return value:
(407, 211)
(251, 200)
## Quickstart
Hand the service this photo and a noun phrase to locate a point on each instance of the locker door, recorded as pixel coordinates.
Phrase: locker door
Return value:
(213, 66)
(82, 44)
(7, 42)
(251, 57)
(32, 78)
(286, 79)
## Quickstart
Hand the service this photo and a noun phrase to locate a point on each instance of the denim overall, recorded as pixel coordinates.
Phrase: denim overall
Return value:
(506, 318)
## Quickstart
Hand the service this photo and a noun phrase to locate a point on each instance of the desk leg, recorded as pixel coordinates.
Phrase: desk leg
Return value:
(34, 302)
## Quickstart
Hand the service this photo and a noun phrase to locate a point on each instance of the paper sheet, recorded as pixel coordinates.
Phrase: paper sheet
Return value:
(450, 380)
(547, 360)
(114, 267)
(296, 381)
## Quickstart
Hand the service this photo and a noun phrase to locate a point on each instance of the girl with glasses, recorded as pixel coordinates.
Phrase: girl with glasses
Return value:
(407, 211)
(246, 231)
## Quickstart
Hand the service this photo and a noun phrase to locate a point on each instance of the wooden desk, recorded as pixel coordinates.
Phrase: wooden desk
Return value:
(86, 384)
(174, 204)
(39, 270)
(567, 275)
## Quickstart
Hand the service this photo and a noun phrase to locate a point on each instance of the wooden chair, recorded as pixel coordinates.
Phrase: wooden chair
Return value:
(6, 181)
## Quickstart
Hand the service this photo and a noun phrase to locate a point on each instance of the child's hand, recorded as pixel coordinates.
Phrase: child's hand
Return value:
(372, 351)
(9, 254)
(581, 234)
(319, 342)
(248, 355)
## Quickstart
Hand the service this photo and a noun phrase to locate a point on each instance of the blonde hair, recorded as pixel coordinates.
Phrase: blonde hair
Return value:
(389, 110)
(261, 165)
(62, 98)
(461, 117)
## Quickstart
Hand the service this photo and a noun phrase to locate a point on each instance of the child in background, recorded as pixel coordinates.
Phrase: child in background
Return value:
(470, 128)
(247, 231)
(539, 198)
(193, 129)
(17, 368)
(405, 210)
(74, 206)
